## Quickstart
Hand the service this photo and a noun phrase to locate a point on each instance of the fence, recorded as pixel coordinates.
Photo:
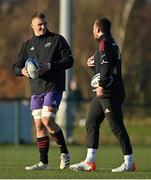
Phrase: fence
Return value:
(16, 121)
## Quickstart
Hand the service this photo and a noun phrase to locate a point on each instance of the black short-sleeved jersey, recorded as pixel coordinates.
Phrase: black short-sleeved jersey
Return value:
(53, 48)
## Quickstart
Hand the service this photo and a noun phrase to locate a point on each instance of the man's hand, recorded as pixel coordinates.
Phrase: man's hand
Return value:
(24, 72)
(90, 61)
(99, 91)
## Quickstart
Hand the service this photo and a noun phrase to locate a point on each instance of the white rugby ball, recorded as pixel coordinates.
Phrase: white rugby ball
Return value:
(32, 68)
(95, 80)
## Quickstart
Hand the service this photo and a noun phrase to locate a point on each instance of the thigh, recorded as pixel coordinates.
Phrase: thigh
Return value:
(113, 112)
(53, 99)
(96, 113)
(37, 101)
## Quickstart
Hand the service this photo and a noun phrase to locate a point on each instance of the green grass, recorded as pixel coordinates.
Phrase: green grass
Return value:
(139, 132)
(14, 159)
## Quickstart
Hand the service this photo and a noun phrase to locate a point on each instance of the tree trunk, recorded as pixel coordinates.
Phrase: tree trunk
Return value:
(125, 17)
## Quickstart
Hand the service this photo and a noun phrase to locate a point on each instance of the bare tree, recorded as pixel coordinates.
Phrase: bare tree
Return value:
(124, 20)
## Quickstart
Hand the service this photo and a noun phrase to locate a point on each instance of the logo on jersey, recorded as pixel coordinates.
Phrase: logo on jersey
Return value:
(107, 110)
(54, 102)
(104, 62)
(48, 44)
(32, 48)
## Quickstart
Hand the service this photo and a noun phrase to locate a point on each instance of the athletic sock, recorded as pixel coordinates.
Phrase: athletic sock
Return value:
(91, 155)
(128, 159)
(43, 146)
(59, 139)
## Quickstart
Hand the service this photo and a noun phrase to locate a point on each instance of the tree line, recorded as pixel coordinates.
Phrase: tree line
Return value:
(130, 27)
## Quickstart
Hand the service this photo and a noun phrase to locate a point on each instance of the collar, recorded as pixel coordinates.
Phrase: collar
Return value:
(100, 38)
(40, 37)
(104, 36)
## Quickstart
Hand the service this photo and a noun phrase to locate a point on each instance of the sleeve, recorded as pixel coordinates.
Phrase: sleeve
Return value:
(20, 62)
(66, 58)
(105, 63)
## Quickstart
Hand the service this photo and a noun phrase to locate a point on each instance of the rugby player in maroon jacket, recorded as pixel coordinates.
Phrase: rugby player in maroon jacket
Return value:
(108, 85)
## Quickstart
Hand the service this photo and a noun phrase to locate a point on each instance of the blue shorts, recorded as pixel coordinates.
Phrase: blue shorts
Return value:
(52, 98)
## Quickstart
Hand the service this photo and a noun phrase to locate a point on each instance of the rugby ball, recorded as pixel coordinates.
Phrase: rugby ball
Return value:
(32, 68)
(95, 80)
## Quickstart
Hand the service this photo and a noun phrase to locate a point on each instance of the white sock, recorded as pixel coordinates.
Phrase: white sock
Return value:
(128, 160)
(91, 155)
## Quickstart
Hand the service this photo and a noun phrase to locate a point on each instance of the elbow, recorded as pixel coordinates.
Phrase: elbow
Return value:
(17, 70)
(70, 64)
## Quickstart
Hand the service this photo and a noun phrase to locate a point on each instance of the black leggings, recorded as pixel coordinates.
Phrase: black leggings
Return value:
(111, 109)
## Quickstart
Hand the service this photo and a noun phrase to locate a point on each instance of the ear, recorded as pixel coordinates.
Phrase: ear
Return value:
(31, 25)
(98, 29)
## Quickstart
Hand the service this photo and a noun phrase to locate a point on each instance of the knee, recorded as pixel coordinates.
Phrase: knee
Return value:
(92, 127)
(92, 123)
(37, 115)
(40, 128)
(50, 124)
(48, 118)
(88, 125)
(117, 130)
(89, 122)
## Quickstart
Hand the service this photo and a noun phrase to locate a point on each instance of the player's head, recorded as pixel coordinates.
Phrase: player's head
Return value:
(101, 26)
(39, 23)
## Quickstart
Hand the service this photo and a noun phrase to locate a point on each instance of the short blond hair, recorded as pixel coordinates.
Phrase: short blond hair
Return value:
(38, 15)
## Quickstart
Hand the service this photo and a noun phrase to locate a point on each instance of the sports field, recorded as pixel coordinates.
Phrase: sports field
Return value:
(13, 160)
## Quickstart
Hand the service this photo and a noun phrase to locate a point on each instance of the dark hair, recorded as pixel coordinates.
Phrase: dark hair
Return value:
(38, 15)
(104, 24)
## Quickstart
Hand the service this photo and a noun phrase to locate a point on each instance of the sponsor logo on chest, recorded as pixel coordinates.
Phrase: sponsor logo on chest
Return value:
(48, 44)
(32, 48)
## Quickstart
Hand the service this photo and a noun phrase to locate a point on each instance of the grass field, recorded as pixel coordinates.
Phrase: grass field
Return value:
(13, 160)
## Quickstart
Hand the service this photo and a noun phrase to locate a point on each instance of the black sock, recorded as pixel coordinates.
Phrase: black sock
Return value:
(43, 146)
(59, 138)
